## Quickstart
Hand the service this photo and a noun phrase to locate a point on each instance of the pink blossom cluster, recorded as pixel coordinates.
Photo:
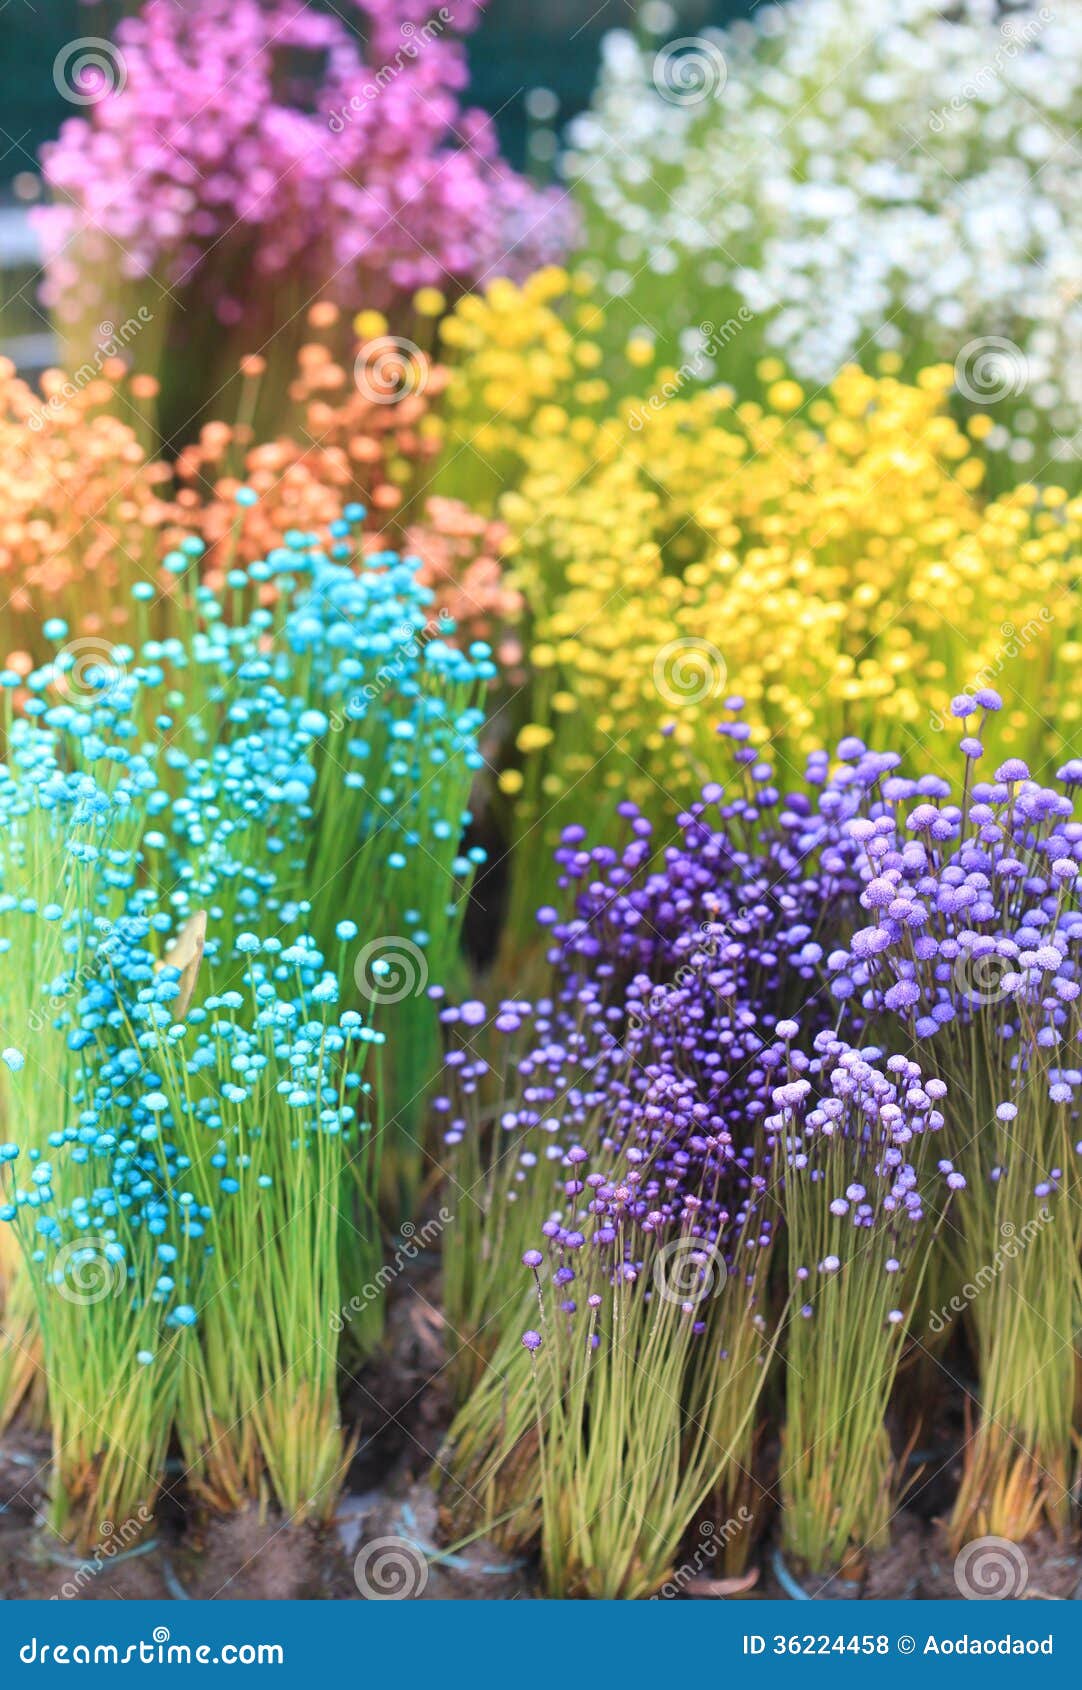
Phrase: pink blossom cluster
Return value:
(241, 142)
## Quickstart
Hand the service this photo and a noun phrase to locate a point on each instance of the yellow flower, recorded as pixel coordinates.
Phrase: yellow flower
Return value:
(429, 302)
(837, 564)
(534, 737)
(785, 395)
(368, 325)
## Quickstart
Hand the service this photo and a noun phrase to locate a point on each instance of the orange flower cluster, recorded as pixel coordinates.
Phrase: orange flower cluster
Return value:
(87, 512)
(81, 503)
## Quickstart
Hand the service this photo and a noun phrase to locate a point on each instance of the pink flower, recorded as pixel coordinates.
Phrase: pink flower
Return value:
(251, 144)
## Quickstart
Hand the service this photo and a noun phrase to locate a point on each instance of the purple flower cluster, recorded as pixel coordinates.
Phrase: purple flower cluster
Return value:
(852, 1009)
(245, 142)
(666, 1049)
(968, 941)
(973, 915)
(647, 1073)
(861, 1132)
(864, 1195)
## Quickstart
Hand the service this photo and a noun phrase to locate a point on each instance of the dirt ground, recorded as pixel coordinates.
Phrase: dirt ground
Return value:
(402, 1405)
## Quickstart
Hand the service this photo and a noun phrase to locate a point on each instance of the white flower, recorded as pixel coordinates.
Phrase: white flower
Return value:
(874, 174)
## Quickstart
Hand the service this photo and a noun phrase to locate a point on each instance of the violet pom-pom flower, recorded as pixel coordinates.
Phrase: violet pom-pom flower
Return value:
(998, 968)
(665, 1027)
(867, 1128)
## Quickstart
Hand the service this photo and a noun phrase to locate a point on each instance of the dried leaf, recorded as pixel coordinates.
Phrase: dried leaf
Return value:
(187, 954)
(723, 1587)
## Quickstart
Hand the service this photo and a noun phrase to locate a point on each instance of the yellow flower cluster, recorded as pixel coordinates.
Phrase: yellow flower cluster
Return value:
(520, 360)
(827, 556)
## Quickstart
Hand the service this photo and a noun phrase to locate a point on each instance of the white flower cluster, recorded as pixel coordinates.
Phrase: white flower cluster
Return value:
(866, 176)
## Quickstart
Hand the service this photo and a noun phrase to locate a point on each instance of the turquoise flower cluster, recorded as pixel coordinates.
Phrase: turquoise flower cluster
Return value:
(194, 833)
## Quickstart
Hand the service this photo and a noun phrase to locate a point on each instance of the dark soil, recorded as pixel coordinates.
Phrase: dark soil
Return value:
(400, 1400)
(391, 1538)
(919, 1566)
(262, 1560)
(391, 1533)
